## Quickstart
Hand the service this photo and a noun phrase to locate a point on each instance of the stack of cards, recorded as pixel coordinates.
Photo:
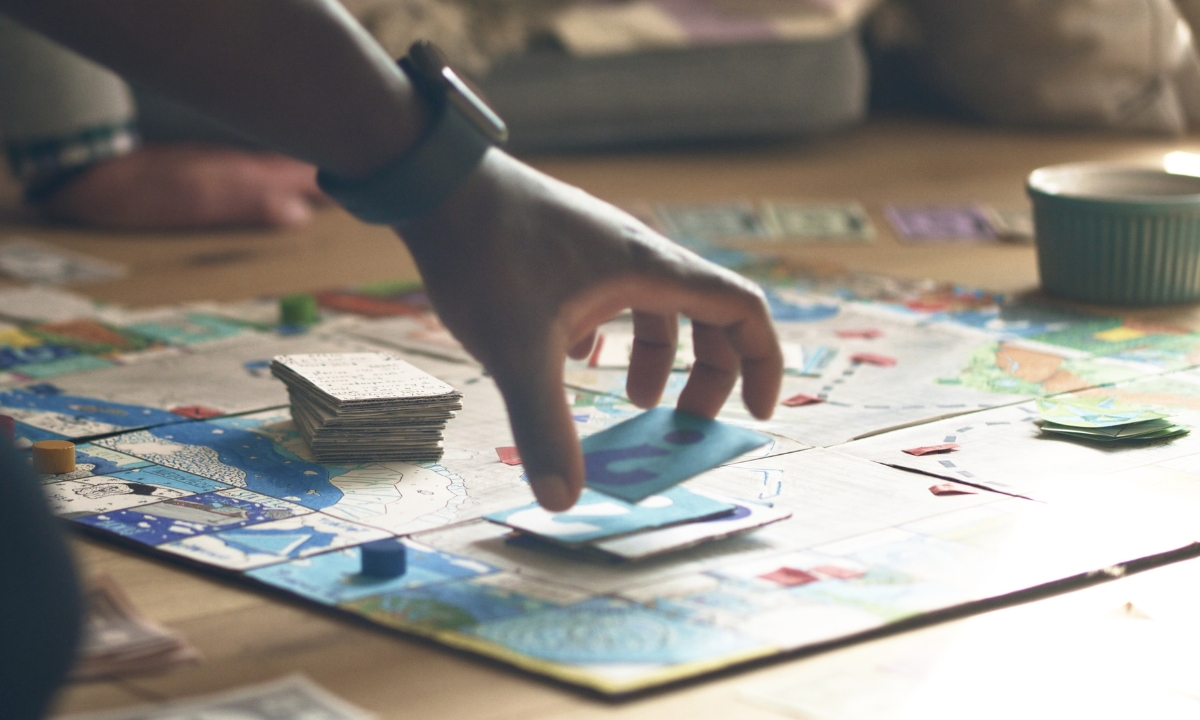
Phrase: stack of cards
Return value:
(1105, 420)
(361, 407)
(631, 509)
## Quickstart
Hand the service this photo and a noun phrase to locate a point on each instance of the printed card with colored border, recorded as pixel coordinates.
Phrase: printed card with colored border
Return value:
(597, 516)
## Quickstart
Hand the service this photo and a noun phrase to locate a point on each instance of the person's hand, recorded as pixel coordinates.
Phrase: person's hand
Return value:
(189, 187)
(522, 268)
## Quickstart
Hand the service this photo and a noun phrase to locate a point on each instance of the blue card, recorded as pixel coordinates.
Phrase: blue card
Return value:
(658, 449)
(598, 516)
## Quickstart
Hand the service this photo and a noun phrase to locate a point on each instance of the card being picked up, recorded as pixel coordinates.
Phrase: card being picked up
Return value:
(658, 449)
(596, 516)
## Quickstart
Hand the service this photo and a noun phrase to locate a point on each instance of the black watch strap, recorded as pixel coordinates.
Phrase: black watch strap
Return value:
(461, 129)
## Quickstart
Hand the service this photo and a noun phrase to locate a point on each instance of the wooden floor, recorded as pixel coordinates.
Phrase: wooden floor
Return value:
(246, 636)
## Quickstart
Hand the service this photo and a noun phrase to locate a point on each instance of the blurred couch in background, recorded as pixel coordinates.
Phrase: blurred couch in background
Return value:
(1128, 65)
(598, 73)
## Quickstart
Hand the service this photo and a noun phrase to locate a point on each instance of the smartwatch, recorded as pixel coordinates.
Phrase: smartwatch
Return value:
(460, 131)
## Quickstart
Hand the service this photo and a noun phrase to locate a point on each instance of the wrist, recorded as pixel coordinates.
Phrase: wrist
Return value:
(459, 131)
(45, 165)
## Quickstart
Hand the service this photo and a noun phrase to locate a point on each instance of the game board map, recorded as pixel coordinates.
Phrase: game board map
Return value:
(889, 365)
(472, 586)
(867, 545)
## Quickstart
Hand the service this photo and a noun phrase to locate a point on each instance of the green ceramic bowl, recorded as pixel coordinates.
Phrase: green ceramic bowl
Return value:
(1117, 234)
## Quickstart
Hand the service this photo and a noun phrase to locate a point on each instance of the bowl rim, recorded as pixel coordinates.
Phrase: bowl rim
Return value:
(1032, 187)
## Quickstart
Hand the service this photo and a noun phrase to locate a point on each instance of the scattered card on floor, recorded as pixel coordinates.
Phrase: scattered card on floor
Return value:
(813, 222)
(36, 262)
(597, 516)
(1011, 224)
(658, 449)
(943, 222)
(734, 219)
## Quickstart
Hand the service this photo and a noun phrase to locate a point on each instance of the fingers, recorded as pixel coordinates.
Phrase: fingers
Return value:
(732, 332)
(583, 349)
(184, 187)
(542, 427)
(655, 340)
(281, 210)
(714, 373)
(296, 176)
(756, 342)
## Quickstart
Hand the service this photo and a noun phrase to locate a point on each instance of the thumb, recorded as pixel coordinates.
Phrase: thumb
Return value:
(544, 429)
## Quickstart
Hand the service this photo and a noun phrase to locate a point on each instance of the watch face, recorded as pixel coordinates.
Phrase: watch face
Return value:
(473, 106)
(430, 64)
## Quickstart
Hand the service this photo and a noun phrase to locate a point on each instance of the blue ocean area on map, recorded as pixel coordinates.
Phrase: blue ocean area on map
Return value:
(1017, 321)
(603, 630)
(459, 605)
(280, 541)
(105, 461)
(783, 309)
(64, 366)
(270, 469)
(197, 328)
(658, 449)
(181, 518)
(170, 477)
(46, 397)
(11, 357)
(34, 434)
(334, 577)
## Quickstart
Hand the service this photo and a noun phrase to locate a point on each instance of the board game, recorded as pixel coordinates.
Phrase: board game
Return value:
(186, 450)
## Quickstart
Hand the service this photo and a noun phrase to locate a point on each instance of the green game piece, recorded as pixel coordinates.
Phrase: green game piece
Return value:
(298, 310)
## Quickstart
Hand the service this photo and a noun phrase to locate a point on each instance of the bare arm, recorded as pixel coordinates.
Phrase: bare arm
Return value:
(301, 75)
(521, 268)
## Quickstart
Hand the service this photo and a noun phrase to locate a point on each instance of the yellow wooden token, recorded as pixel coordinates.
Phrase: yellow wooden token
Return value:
(54, 457)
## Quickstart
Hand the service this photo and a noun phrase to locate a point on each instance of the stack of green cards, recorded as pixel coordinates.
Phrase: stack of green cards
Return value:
(1105, 420)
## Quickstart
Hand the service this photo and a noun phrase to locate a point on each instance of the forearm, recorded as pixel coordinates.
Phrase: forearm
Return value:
(301, 75)
(59, 113)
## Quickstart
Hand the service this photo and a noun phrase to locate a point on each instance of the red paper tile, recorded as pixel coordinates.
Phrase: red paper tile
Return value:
(932, 449)
(839, 573)
(801, 399)
(790, 577)
(863, 334)
(350, 301)
(951, 489)
(197, 412)
(873, 359)
(508, 455)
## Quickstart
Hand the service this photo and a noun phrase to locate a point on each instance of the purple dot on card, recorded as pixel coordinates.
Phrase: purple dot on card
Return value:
(739, 512)
(684, 437)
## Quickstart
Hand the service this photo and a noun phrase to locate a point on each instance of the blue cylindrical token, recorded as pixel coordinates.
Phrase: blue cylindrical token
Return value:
(384, 558)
